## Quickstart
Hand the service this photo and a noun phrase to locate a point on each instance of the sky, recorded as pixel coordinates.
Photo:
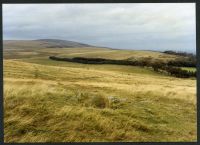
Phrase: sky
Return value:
(150, 26)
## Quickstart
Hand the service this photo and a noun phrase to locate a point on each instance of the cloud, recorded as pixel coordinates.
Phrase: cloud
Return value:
(126, 26)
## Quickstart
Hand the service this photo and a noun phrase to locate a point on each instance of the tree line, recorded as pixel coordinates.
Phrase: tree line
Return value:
(180, 53)
(172, 67)
(173, 70)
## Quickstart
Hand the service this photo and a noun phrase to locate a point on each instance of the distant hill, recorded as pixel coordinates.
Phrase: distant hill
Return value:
(43, 43)
(56, 43)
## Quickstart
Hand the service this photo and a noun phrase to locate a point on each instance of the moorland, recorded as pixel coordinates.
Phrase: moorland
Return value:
(94, 94)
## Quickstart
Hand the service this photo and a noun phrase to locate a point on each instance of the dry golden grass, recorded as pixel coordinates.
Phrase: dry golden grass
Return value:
(118, 54)
(33, 49)
(75, 102)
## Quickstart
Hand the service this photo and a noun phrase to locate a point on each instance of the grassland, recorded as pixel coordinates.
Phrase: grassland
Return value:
(51, 101)
(192, 69)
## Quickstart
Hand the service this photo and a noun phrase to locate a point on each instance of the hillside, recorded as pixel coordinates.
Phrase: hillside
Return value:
(47, 47)
(55, 101)
(42, 43)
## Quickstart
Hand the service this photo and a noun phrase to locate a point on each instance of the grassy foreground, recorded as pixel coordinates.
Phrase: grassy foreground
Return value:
(47, 101)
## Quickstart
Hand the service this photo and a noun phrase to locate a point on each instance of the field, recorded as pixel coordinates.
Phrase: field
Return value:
(51, 101)
(189, 69)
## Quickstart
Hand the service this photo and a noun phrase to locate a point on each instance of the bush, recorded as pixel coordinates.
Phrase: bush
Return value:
(182, 63)
(157, 66)
(178, 72)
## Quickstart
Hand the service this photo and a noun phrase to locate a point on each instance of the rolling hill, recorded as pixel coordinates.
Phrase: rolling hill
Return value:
(42, 43)
(46, 47)
(55, 101)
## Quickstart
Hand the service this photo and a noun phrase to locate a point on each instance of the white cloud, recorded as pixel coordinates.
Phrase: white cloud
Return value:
(133, 26)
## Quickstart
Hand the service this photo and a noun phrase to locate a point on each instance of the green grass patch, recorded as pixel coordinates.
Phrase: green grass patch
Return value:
(192, 69)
